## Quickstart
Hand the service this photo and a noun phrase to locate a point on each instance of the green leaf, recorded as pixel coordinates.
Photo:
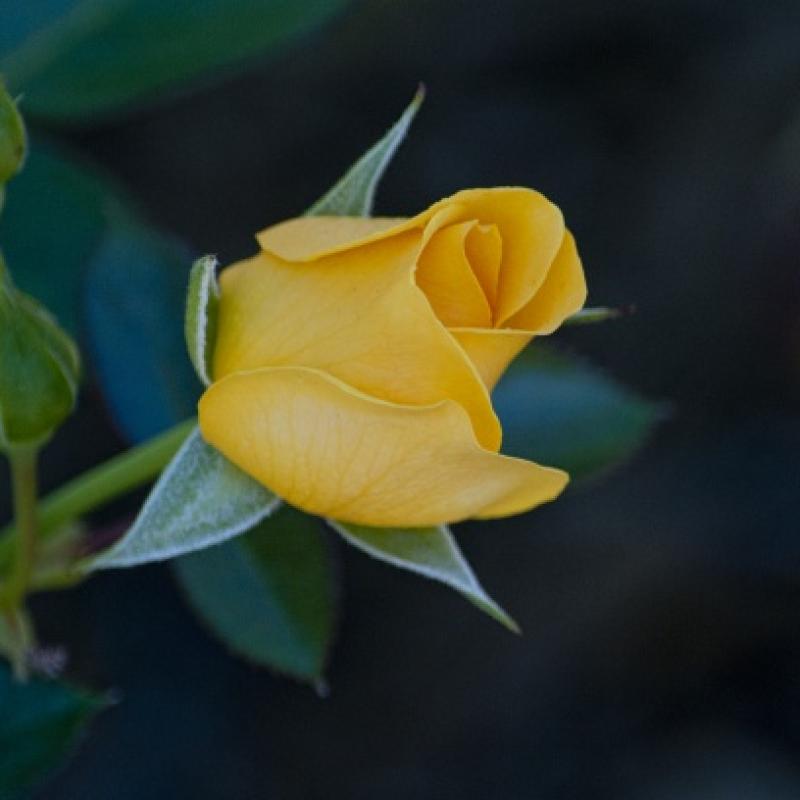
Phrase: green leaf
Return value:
(354, 194)
(201, 499)
(556, 410)
(90, 57)
(268, 595)
(40, 723)
(202, 307)
(431, 552)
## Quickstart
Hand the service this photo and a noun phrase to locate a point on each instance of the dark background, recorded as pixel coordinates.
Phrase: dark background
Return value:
(661, 604)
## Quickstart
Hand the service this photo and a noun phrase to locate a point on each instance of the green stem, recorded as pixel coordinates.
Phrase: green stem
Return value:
(106, 482)
(16, 641)
(24, 493)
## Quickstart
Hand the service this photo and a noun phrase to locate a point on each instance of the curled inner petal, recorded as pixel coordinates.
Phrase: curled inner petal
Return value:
(484, 248)
(445, 274)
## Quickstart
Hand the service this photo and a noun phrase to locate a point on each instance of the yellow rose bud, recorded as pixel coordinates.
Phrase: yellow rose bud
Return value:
(355, 357)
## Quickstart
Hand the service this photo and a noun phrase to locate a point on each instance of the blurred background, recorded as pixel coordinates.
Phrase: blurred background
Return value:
(660, 602)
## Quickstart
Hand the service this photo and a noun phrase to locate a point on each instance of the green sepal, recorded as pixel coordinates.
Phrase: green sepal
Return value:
(13, 139)
(202, 310)
(200, 500)
(354, 194)
(589, 316)
(431, 552)
(40, 369)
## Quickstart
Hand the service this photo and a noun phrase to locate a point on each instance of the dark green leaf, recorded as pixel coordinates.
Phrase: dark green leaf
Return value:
(431, 552)
(268, 595)
(558, 411)
(87, 57)
(40, 723)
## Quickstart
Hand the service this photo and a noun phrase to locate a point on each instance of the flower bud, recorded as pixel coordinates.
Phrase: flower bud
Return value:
(13, 140)
(39, 369)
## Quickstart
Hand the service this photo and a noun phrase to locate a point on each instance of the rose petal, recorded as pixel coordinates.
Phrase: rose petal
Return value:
(308, 238)
(333, 451)
(484, 247)
(445, 275)
(561, 295)
(491, 350)
(531, 228)
(357, 315)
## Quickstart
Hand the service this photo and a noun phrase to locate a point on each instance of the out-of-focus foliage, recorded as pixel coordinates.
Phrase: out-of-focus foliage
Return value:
(559, 410)
(270, 595)
(83, 58)
(56, 214)
(39, 724)
(13, 139)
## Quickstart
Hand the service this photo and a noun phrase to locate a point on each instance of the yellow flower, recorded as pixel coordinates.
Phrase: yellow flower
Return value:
(355, 357)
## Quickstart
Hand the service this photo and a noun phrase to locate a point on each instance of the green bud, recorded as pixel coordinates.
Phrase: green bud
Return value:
(39, 369)
(13, 141)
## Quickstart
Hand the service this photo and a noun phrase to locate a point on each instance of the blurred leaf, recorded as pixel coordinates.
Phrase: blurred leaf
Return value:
(354, 194)
(201, 499)
(431, 552)
(202, 309)
(135, 297)
(40, 723)
(269, 595)
(558, 411)
(22, 20)
(88, 57)
(54, 218)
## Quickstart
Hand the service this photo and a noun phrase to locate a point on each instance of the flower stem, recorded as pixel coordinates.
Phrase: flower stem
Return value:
(104, 483)
(24, 492)
(17, 641)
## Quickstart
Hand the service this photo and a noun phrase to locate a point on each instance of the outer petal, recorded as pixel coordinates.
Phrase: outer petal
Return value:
(357, 315)
(337, 452)
(308, 238)
(491, 350)
(562, 293)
